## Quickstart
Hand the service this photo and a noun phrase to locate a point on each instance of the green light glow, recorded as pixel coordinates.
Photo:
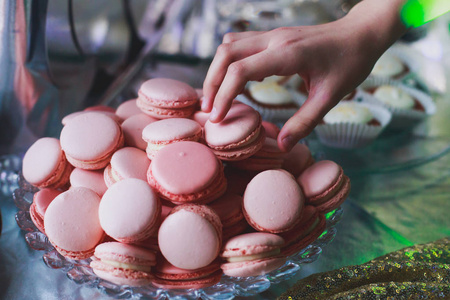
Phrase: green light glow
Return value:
(418, 12)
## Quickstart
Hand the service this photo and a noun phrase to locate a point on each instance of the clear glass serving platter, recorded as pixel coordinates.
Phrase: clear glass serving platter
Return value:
(228, 288)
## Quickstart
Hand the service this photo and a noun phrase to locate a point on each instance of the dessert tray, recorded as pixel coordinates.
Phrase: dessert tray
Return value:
(228, 288)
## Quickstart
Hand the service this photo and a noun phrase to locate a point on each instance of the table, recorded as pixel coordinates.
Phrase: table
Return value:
(400, 196)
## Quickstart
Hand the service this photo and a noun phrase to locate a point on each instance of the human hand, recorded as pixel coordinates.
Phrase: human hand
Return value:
(332, 59)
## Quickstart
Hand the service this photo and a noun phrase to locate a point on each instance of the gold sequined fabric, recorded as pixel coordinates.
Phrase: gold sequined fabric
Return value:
(418, 272)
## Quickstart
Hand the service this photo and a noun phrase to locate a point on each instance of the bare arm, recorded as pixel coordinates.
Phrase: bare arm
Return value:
(332, 59)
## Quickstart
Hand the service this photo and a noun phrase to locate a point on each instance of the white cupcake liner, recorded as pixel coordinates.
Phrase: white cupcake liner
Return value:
(348, 135)
(271, 114)
(401, 118)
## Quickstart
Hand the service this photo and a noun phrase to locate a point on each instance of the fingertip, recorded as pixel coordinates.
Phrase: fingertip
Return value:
(214, 116)
(206, 105)
(286, 142)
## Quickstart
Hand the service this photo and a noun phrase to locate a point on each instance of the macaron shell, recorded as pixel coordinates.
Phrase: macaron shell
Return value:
(185, 167)
(337, 199)
(240, 153)
(109, 114)
(252, 268)
(90, 137)
(102, 108)
(166, 270)
(130, 162)
(266, 208)
(198, 283)
(251, 244)
(129, 210)
(71, 223)
(92, 179)
(298, 159)
(239, 123)
(36, 218)
(165, 113)
(194, 228)
(200, 117)
(165, 92)
(44, 162)
(228, 208)
(319, 177)
(132, 130)
(43, 198)
(128, 109)
(271, 129)
(235, 229)
(124, 253)
(304, 241)
(121, 276)
(169, 130)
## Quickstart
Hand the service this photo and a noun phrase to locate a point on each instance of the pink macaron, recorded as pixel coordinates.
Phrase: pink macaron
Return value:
(125, 163)
(229, 209)
(325, 185)
(298, 159)
(268, 157)
(123, 264)
(237, 180)
(41, 201)
(132, 130)
(164, 98)
(167, 276)
(108, 113)
(128, 109)
(72, 225)
(311, 226)
(45, 165)
(164, 132)
(130, 211)
(191, 236)
(272, 130)
(200, 117)
(238, 136)
(90, 139)
(252, 254)
(101, 108)
(187, 172)
(273, 201)
(92, 179)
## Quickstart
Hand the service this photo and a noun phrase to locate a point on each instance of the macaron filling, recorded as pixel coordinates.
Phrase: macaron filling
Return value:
(234, 259)
(128, 266)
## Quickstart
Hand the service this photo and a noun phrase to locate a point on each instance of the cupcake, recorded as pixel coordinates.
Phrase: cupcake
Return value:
(390, 66)
(352, 124)
(408, 106)
(272, 100)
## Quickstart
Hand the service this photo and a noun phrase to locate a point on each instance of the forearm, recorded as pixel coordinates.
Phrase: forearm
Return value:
(379, 21)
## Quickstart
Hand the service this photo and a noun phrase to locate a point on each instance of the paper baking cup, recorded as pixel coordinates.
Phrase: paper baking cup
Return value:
(349, 135)
(271, 114)
(401, 118)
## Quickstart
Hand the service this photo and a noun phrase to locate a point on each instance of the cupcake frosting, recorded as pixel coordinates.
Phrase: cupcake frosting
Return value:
(349, 112)
(270, 92)
(388, 66)
(394, 97)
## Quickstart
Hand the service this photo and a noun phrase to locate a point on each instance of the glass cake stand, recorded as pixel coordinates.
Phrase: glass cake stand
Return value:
(228, 287)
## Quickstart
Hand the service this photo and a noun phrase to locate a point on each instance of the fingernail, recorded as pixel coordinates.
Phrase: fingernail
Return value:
(213, 116)
(288, 143)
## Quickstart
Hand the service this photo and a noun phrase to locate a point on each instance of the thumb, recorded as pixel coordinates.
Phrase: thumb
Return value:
(302, 123)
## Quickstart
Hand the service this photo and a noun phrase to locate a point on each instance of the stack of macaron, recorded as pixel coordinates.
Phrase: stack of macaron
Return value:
(158, 198)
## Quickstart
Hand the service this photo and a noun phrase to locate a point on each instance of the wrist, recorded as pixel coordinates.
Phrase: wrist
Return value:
(378, 21)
